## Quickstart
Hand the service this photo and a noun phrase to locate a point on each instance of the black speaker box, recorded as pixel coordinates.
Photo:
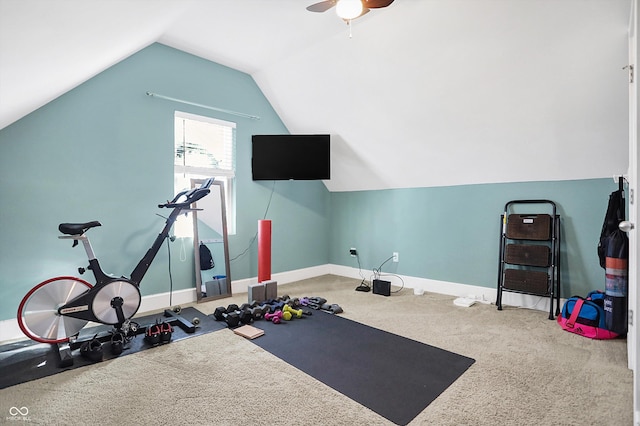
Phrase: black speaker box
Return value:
(382, 287)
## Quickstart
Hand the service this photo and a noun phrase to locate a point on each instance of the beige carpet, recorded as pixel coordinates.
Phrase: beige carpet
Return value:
(528, 371)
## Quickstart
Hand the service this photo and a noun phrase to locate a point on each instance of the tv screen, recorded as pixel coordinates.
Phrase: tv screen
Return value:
(285, 157)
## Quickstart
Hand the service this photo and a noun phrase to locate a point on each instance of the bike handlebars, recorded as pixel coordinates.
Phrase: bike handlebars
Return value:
(191, 196)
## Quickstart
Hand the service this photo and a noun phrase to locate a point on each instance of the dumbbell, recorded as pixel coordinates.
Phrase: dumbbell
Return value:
(258, 312)
(276, 300)
(218, 314)
(276, 306)
(296, 312)
(242, 311)
(231, 318)
(245, 314)
(334, 308)
(275, 317)
(295, 302)
(245, 317)
(222, 310)
(253, 304)
(316, 302)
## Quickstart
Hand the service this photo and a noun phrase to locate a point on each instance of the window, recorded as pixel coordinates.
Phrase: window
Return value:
(204, 147)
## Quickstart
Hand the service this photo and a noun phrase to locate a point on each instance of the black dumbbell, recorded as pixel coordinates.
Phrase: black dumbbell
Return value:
(280, 299)
(259, 312)
(231, 318)
(243, 312)
(245, 316)
(218, 314)
(251, 305)
(294, 303)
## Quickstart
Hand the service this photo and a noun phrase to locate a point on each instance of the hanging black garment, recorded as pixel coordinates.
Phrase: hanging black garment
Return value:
(206, 258)
(615, 214)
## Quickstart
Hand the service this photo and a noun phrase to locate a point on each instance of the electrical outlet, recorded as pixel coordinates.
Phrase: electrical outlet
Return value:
(396, 256)
(353, 252)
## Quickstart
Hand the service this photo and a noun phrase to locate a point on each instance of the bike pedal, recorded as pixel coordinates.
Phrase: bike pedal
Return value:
(117, 343)
(92, 350)
(152, 335)
(165, 332)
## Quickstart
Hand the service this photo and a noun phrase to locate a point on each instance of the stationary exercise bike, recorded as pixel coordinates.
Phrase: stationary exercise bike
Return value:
(55, 310)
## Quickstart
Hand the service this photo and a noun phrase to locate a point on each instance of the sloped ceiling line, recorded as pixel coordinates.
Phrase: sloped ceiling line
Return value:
(496, 91)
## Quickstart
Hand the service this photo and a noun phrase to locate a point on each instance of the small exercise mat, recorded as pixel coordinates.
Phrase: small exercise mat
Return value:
(392, 375)
(27, 360)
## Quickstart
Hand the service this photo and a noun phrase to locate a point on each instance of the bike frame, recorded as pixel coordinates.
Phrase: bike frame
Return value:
(143, 266)
(83, 306)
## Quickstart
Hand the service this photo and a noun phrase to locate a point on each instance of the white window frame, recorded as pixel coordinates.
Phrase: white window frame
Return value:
(227, 176)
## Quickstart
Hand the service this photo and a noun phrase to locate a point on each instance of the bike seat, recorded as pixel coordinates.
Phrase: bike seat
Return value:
(77, 228)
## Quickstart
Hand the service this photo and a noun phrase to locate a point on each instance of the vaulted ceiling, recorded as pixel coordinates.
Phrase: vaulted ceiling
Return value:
(424, 93)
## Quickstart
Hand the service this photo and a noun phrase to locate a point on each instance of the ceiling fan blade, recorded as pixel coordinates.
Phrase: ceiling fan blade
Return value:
(323, 6)
(376, 4)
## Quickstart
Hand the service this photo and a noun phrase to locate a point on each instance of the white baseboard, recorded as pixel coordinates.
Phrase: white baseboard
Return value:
(479, 293)
(9, 329)
(241, 286)
(154, 302)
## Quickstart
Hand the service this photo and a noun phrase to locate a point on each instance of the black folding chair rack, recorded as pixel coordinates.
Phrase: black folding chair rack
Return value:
(530, 253)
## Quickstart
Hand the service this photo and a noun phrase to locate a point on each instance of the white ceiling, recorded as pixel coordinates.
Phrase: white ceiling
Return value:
(425, 93)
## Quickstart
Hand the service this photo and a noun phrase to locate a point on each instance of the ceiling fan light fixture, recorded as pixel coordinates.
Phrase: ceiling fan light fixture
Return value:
(349, 9)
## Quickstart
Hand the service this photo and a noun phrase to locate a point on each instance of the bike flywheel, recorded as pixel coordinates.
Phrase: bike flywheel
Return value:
(38, 315)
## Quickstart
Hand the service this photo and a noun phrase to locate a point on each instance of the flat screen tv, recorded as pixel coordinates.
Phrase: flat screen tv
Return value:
(290, 157)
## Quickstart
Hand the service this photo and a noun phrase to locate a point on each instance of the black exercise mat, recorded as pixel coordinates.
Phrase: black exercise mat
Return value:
(27, 360)
(392, 375)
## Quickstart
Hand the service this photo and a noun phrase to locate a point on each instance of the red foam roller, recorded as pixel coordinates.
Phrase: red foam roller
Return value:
(264, 250)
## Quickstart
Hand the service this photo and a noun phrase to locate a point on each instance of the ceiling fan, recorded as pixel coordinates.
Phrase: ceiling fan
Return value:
(325, 5)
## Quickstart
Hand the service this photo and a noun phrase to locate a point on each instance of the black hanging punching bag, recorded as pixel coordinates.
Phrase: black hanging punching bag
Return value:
(613, 251)
(616, 282)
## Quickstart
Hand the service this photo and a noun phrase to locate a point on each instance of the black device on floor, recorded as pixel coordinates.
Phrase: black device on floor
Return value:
(382, 287)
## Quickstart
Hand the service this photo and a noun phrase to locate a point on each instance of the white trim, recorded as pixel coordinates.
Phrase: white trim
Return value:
(633, 334)
(241, 286)
(159, 301)
(204, 171)
(484, 294)
(9, 329)
(204, 118)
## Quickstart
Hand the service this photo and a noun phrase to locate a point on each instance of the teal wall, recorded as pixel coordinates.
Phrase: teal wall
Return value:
(104, 151)
(453, 233)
